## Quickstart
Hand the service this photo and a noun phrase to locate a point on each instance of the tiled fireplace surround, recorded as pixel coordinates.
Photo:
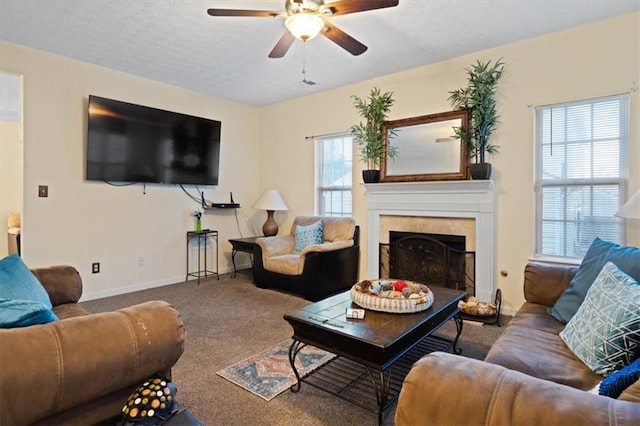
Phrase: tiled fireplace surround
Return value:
(464, 207)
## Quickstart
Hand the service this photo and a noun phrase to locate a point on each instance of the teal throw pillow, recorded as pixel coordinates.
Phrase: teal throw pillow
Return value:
(599, 253)
(18, 282)
(309, 235)
(615, 383)
(22, 313)
(605, 332)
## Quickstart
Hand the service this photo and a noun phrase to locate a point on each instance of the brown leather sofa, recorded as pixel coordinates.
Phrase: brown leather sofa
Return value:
(529, 376)
(82, 368)
(319, 270)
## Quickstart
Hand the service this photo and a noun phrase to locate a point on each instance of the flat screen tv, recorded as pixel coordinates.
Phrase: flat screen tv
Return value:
(134, 143)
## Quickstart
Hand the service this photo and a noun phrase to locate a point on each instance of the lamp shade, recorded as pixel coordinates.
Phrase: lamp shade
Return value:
(631, 209)
(304, 26)
(270, 200)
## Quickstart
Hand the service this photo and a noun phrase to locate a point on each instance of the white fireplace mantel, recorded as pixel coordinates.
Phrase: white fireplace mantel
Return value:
(469, 199)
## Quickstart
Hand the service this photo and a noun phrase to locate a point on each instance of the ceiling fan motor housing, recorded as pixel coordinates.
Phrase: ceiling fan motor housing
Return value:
(306, 6)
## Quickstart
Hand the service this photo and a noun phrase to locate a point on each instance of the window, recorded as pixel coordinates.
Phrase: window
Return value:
(581, 153)
(334, 161)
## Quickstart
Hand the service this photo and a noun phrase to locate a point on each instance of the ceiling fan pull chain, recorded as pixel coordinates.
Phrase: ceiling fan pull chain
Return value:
(304, 65)
(304, 60)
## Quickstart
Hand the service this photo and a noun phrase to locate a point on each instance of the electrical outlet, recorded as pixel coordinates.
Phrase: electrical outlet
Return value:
(95, 267)
(141, 261)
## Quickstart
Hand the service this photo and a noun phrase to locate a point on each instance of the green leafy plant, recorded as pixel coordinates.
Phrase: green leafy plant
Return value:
(479, 99)
(368, 134)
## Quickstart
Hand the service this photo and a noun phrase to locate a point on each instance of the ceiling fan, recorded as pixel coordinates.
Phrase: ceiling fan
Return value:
(305, 19)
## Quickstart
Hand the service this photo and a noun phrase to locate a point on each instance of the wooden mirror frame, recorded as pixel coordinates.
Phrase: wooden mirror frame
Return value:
(431, 135)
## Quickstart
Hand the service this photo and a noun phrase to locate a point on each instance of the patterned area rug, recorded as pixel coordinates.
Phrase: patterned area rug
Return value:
(269, 373)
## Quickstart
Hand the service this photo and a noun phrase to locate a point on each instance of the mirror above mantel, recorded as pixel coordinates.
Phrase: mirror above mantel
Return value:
(427, 148)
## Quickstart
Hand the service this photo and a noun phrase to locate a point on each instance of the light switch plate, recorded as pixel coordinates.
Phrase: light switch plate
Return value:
(43, 191)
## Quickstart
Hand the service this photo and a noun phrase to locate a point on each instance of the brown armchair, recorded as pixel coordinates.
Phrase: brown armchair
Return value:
(82, 368)
(320, 270)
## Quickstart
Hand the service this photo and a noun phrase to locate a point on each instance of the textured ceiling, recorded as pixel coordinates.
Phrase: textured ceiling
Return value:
(178, 43)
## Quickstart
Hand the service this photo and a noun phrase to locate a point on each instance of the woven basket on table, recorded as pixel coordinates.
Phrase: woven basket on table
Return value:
(398, 306)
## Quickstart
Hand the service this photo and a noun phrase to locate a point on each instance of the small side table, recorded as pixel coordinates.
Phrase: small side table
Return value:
(245, 245)
(202, 237)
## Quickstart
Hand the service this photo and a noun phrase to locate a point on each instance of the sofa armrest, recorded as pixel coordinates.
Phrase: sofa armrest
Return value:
(329, 272)
(544, 282)
(442, 388)
(276, 246)
(63, 283)
(53, 367)
(328, 246)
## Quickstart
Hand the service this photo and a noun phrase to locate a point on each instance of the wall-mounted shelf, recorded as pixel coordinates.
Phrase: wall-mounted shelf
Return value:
(216, 206)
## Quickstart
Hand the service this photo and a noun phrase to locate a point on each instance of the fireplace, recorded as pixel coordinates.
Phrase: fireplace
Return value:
(432, 259)
(447, 208)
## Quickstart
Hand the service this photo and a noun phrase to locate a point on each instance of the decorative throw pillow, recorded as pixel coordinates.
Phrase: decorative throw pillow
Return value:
(18, 282)
(22, 313)
(605, 332)
(152, 403)
(615, 383)
(599, 253)
(309, 235)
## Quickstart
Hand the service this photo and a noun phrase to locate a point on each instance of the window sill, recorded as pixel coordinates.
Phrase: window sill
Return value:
(556, 260)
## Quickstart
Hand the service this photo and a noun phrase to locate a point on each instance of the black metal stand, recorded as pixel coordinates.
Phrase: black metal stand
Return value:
(202, 237)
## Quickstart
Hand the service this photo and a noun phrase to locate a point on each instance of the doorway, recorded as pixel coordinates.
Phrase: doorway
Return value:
(11, 161)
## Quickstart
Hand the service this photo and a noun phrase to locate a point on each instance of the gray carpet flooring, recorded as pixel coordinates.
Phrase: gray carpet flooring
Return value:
(230, 320)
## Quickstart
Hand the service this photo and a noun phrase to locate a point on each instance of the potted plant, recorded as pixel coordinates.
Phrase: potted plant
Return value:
(369, 135)
(479, 99)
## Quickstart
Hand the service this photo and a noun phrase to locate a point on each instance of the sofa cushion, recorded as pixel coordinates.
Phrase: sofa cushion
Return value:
(599, 253)
(23, 313)
(605, 332)
(535, 316)
(530, 344)
(69, 310)
(309, 235)
(614, 384)
(18, 282)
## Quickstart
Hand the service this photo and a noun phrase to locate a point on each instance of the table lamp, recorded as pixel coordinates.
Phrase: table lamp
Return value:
(270, 201)
(630, 209)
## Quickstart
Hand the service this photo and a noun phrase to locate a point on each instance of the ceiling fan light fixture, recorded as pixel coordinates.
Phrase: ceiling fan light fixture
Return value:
(304, 26)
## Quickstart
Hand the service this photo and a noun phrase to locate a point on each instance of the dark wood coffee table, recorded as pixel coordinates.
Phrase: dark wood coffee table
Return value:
(373, 354)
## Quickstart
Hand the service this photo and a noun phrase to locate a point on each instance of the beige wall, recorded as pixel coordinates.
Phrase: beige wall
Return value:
(594, 60)
(83, 222)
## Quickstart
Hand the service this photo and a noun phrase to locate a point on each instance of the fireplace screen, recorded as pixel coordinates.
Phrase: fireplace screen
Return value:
(428, 260)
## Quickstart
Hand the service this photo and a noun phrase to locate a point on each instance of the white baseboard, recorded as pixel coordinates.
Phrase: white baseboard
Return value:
(144, 286)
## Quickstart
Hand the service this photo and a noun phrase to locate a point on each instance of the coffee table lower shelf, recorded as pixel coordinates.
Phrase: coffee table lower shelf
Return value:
(361, 385)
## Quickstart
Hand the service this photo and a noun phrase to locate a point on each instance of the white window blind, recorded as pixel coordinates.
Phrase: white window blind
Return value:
(334, 163)
(581, 172)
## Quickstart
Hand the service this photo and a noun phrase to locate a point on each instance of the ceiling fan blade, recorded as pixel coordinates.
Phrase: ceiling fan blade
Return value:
(239, 12)
(282, 46)
(343, 39)
(344, 7)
